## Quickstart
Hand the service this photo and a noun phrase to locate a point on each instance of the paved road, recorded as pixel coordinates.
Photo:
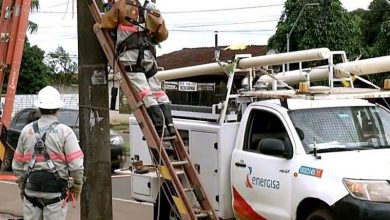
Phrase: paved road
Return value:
(123, 208)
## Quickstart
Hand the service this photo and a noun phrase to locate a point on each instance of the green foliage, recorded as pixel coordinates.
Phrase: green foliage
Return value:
(62, 67)
(379, 12)
(334, 28)
(382, 45)
(34, 74)
(375, 24)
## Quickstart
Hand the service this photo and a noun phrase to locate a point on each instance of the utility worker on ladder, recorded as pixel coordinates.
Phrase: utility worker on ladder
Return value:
(140, 26)
(46, 156)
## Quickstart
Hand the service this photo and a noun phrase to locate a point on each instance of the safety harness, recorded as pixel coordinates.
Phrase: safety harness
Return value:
(44, 180)
(141, 40)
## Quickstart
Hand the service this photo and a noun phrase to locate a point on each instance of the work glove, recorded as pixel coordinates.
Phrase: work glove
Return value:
(75, 190)
(97, 27)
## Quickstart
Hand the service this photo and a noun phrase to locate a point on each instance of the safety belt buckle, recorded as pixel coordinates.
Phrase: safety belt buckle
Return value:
(40, 201)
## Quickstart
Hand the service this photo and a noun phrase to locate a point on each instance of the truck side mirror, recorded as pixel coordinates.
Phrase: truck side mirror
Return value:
(276, 147)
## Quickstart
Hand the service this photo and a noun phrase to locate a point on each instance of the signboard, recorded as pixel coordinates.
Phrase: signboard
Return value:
(186, 86)
(206, 87)
(170, 85)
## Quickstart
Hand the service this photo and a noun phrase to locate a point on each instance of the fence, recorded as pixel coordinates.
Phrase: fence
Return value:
(27, 101)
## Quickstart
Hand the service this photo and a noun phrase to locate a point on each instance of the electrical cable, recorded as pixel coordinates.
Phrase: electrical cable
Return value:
(186, 12)
(167, 194)
(61, 4)
(222, 31)
(226, 23)
(222, 9)
(159, 164)
(158, 174)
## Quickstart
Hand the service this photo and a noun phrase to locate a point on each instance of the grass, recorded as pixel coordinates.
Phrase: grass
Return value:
(120, 127)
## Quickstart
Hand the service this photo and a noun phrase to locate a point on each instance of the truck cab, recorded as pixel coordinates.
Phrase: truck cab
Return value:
(309, 159)
(273, 151)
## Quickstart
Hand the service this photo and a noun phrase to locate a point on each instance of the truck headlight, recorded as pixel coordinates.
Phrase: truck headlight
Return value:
(370, 190)
(116, 140)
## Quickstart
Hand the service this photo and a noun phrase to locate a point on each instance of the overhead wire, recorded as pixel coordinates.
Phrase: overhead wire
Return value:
(186, 12)
(226, 23)
(222, 9)
(54, 6)
(223, 31)
(177, 27)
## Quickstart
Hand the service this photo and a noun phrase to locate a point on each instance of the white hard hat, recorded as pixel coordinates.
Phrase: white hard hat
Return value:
(49, 98)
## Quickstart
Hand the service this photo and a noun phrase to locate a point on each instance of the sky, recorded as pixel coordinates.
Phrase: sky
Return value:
(190, 23)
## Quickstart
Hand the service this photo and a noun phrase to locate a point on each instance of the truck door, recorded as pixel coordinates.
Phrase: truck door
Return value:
(260, 174)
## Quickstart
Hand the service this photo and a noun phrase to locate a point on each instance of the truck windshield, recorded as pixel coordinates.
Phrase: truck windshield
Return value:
(342, 128)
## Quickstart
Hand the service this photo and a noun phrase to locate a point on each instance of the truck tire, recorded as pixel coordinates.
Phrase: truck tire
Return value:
(321, 214)
(6, 164)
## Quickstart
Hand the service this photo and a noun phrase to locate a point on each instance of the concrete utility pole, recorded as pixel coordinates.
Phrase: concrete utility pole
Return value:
(96, 196)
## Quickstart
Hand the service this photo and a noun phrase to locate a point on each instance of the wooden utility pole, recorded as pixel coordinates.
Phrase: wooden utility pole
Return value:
(96, 196)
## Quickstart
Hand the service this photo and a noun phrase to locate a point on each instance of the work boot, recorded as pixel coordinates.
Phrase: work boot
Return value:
(166, 109)
(157, 118)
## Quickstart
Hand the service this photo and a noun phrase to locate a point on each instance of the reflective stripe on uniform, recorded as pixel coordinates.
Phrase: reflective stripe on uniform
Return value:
(128, 28)
(144, 92)
(159, 94)
(54, 156)
(74, 155)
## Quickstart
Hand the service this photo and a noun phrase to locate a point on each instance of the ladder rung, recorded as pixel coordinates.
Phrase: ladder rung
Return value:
(201, 215)
(169, 138)
(169, 147)
(179, 163)
(179, 172)
(188, 189)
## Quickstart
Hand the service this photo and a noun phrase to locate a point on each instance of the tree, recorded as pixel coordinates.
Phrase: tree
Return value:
(375, 27)
(34, 74)
(32, 65)
(62, 67)
(33, 27)
(318, 26)
(378, 12)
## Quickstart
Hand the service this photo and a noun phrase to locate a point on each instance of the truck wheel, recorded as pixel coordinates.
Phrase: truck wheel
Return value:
(320, 214)
(6, 164)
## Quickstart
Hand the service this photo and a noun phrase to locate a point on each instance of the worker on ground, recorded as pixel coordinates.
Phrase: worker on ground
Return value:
(140, 26)
(46, 156)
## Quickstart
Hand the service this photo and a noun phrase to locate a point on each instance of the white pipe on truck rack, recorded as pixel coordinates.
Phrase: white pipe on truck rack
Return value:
(360, 67)
(266, 60)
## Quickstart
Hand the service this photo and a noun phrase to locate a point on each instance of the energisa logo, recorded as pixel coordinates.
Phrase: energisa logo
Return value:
(254, 181)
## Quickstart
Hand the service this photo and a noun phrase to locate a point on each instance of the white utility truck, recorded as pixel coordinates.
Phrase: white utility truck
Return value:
(313, 153)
